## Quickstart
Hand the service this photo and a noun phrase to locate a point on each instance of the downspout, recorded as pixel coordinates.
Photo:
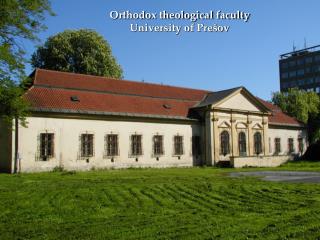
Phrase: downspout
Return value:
(16, 144)
(232, 135)
(206, 138)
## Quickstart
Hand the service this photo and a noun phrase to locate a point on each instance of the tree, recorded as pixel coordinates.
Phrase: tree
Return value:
(19, 19)
(304, 106)
(80, 51)
(298, 103)
(12, 105)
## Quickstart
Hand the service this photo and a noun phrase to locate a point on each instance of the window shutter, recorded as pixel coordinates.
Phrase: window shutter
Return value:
(131, 145)
(105, 146)
(82, 145)
(52, 145)
(116, 150)
(161, 144)
(154, 145)
(182, 146)
(91, 145)
(42, 145)
(140, 144)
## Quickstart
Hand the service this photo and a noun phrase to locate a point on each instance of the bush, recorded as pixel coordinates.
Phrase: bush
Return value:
(68, 172)
(58, 169)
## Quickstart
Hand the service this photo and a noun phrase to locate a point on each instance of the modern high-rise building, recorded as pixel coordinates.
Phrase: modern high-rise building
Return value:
(300, 69)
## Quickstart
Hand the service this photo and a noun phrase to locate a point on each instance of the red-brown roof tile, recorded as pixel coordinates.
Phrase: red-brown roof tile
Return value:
(95, 83)
(279, 117)
(52, 98)
(52, 90)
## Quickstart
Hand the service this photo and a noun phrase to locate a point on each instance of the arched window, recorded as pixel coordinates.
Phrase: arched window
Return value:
(224, 143)
(242, 144)
(257, 143)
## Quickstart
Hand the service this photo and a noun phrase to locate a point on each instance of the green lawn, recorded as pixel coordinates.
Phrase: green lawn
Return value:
(194, 203)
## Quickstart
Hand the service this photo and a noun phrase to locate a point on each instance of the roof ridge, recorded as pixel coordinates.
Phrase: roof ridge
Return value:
(117, 79)
(112, 93)
(229, 89)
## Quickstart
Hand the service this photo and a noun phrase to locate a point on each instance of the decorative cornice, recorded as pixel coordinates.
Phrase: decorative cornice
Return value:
(230, 110)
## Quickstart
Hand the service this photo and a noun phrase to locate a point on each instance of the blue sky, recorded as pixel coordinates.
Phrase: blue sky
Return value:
(245, 56)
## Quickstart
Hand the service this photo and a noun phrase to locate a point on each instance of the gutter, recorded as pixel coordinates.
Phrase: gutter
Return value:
(287, 125)
(121, 114)
(16, 146)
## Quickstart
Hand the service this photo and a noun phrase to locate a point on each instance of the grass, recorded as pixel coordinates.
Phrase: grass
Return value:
(194, 203)
(302, 165)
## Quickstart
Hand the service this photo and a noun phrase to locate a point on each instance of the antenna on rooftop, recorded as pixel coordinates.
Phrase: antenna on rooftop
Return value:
(294, 47)
(305, 43)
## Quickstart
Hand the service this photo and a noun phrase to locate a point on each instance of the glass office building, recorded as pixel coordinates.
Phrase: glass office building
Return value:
(300, 69)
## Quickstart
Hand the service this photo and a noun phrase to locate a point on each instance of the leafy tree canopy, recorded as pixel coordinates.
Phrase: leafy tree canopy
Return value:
(298, 103)
(80, 51)
(19, 20)
(12, 105)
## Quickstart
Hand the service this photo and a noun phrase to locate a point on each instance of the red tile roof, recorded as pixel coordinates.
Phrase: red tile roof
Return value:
(52, 91)
(53, 98)
(95, 83)
(279, 117)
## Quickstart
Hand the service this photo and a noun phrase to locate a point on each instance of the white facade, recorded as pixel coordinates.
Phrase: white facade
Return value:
(67, 144)
(284, 135)
(218, 121)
